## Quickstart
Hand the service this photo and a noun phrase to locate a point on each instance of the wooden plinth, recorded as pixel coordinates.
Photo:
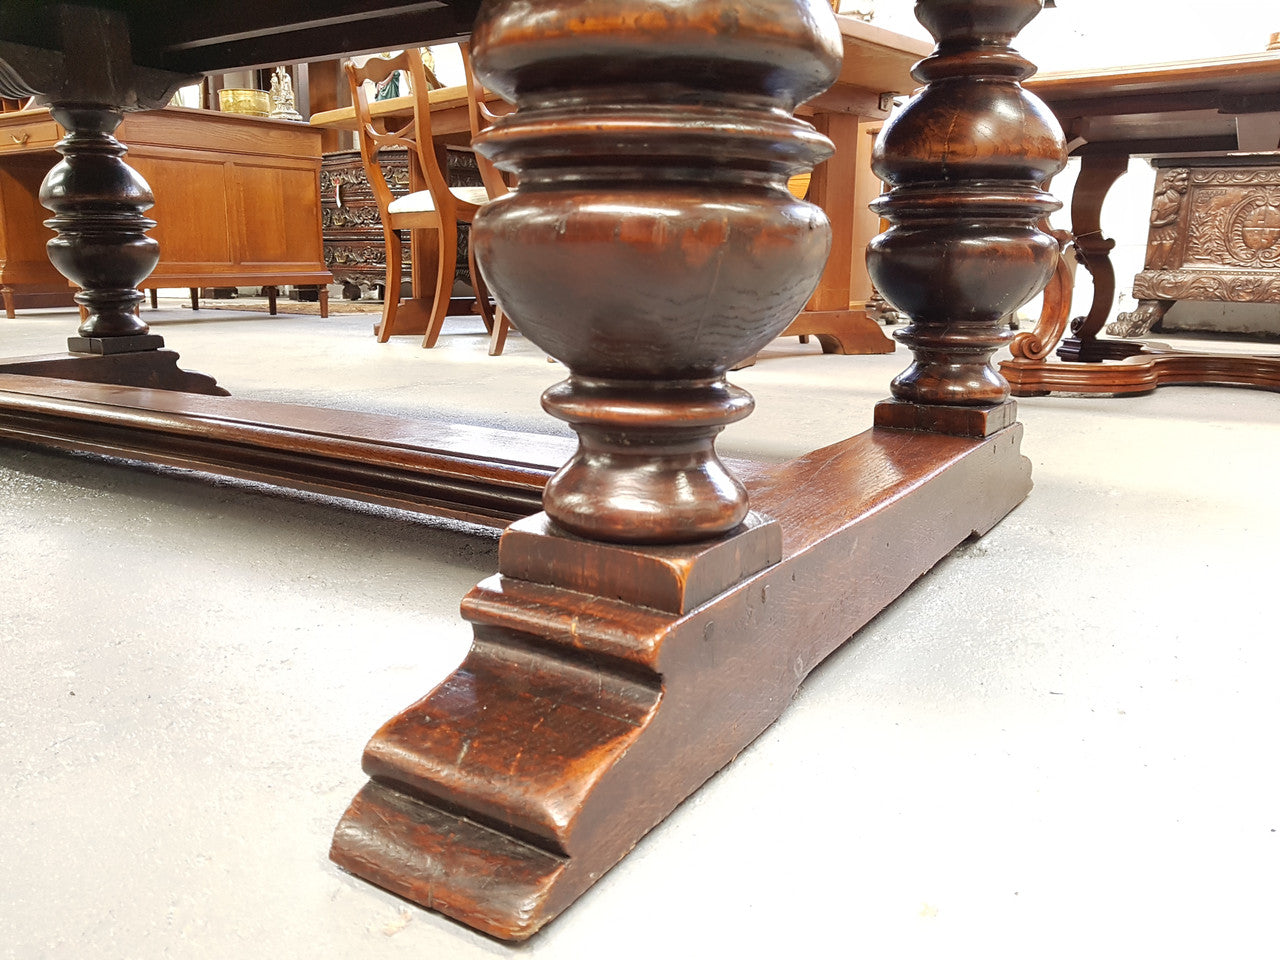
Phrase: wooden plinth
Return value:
(485, 476)
(578, 721)
(152, 368)
(1156, 366)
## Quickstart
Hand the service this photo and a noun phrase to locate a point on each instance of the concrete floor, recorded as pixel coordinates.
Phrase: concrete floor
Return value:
(1061, 742)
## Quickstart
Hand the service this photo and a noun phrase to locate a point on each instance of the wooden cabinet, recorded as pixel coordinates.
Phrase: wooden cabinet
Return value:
(237, 199)
(354, 250)
(353, 246)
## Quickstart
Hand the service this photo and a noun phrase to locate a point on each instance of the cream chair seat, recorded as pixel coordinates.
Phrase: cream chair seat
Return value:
(422, 201)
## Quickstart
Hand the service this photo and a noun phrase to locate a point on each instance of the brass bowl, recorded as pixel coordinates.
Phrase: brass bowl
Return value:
(254, 103)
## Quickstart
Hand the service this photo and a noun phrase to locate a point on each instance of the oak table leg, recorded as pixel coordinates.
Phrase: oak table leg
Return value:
(660, 613)
(836, 187)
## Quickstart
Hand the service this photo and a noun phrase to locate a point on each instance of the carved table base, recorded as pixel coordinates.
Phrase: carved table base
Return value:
(633, 707)
(153, 368)
(1157, 365)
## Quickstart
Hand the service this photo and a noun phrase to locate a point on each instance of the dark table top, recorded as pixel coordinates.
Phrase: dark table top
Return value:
(211, 36)
(1184, 106)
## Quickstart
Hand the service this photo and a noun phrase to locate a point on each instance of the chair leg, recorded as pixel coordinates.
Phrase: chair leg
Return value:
(391, 292)
(481, 289)
(155, 299)
(494, 318)
(323, 292)
(444, 282)
(195, 297)
(272, 293)
(498, 339)
(9, 310)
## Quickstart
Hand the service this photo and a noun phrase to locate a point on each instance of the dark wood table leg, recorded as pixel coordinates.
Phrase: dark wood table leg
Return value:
(1098, 174)
(660, 613)
(99, 203)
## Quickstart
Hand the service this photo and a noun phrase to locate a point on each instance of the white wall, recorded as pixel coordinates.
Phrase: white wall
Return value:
(1083, 34)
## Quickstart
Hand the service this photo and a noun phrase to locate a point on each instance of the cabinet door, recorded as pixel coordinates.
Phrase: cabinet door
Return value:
(23, 235)
(191, 211)
(279, 225)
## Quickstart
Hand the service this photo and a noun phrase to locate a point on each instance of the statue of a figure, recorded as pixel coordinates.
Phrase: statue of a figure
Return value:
(282, 101)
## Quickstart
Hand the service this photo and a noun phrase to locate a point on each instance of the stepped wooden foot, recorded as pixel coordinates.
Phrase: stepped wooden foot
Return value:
(579, 719)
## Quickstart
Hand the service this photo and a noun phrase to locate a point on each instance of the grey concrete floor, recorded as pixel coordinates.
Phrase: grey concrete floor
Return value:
(1060, 742)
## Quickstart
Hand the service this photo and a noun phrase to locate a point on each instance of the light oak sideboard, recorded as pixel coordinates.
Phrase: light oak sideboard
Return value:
(237, 200)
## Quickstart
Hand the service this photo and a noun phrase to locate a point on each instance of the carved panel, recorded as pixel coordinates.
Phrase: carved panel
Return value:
(1215, 232)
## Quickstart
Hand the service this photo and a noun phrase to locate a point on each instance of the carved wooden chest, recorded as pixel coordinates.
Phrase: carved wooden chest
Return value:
(353, 245)
(1215, 235)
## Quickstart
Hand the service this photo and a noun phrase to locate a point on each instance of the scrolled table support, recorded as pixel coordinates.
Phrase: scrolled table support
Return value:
(964, 162)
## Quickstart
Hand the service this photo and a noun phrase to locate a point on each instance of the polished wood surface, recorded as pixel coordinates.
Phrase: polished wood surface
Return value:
(166, 46)
(237, 199)
(481, 475)
(1204, 107)
(661, 611)
(645, 652)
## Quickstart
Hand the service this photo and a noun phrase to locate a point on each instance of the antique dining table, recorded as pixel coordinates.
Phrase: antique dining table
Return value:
(1224, 111)
(655, 608)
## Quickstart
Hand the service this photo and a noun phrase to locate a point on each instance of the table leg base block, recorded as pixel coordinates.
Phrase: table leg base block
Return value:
(577, 722)
(106, 346)
(955, 421)
(841, 331)
(674, 579)
(1156, 367)
(1078, 350)
(155, 369)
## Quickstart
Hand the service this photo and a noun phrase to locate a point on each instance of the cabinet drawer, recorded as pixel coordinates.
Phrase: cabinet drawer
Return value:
(31, 135)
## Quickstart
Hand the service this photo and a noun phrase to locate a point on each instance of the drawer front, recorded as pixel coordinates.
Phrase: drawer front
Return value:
(31, 135)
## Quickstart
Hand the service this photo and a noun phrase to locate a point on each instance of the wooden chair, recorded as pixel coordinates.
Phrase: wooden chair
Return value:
(481, 117)
(439, 207)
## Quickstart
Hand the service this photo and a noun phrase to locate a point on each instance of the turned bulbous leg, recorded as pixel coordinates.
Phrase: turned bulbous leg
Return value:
(98, 203)
(652, 243)
(964, 162)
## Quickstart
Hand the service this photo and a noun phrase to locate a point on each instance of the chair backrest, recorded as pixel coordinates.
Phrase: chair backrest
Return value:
(414, 135)
(481, 117)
